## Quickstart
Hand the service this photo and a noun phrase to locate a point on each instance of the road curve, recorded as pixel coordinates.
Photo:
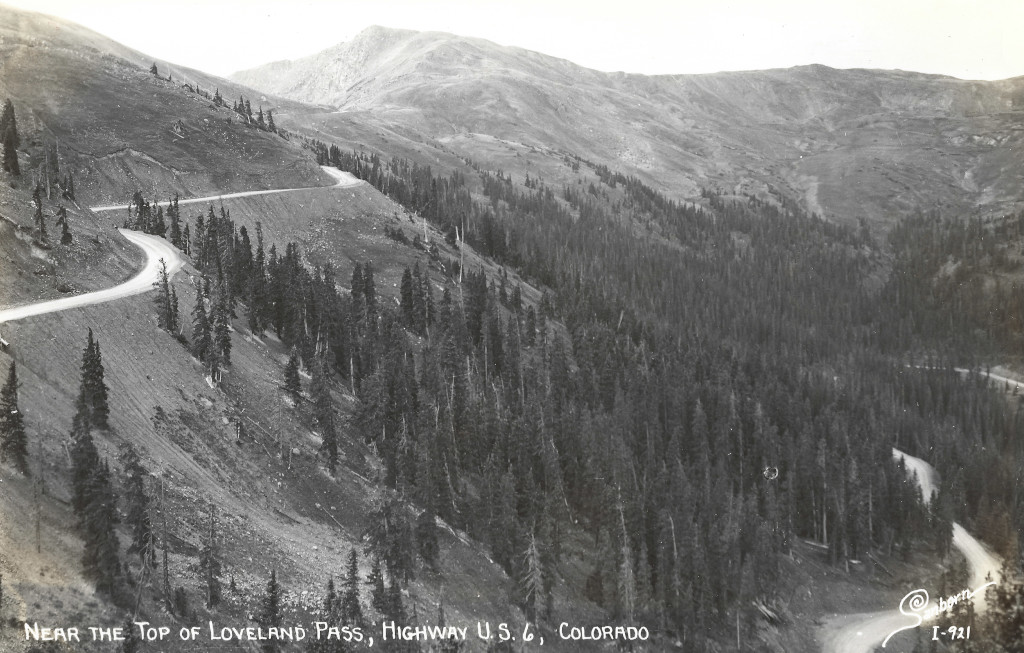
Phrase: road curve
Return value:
(863, 633)
(154, 247)
(345, 180)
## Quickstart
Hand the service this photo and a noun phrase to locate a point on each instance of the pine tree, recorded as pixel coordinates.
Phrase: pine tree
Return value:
(186, 241)
(174, 216)
(328, 613)
(98, 388)
(221, 324)
(270, 612)
(369, 290)
(420, 300)
(153, 69)
(378, 592)
(351, 607)
(101, 556)
(62, 222)
(84, 457)
(270, 121)
(209, 563)
(166, 313)
(175, 320)
(323, 409)
(37, 200)
(13, 441)
(451, 645)
(406, 303)
(7, 120)
(11, 140)
(92, 410)
(292, 383)
(426, 536)
(532, 582)
(137, 505)
(202, 342)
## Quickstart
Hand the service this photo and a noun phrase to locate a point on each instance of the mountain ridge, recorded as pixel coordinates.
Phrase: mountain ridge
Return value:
(847, 144)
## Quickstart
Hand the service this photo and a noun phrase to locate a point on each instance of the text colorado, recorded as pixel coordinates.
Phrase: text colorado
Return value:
(593, 633)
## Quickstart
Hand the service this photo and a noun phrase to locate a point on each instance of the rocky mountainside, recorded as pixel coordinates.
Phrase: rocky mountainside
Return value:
(847, 144)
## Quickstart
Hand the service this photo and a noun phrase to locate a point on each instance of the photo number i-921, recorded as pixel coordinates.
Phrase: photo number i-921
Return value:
(952, 633)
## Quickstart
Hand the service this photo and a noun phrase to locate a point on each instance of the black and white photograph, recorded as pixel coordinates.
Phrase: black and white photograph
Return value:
(474, 327)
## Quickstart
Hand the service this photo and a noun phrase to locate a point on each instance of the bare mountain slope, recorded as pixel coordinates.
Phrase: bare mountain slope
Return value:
(118, 128)
(847, 143)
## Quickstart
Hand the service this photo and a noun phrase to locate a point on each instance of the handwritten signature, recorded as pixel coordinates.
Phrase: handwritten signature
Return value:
(915, 606)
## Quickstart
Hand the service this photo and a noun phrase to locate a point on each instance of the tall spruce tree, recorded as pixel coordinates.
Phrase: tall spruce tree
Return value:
(174, 217)
(269, 615)
(378, 591)
(101, 555)
(136, 502)
(221, 318)
(11, 140)
(209, 562)
(92, 409)
(323, 408)
(328, 613)
(98, 387)
(292, 383)
(84, 457)
(13, 440)
(202, 341)
(40, 220)
(166, 311)
(351, 607)
(62, 222)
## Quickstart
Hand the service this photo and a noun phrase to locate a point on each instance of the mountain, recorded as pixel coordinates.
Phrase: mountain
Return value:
(847, 144)
(540, 393)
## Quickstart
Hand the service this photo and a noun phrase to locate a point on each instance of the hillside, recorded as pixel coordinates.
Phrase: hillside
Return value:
(847, 144)
(116, 128)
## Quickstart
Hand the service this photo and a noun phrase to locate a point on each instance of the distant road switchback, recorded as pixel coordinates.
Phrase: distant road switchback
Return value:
(863, 633)
(345, 180)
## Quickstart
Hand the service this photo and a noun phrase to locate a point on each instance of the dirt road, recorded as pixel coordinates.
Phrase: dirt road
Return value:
(154, 247)
(863, 633)
(345, 180)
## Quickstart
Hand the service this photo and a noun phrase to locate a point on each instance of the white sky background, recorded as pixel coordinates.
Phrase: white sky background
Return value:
(980, 39)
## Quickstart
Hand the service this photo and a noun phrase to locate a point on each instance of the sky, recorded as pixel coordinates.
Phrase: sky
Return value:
(979, 39)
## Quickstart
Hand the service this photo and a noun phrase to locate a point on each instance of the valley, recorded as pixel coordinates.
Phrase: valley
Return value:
(478, 335)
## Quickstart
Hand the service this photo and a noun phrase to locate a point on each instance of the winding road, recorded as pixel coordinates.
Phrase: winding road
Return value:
(155, 248)
(863, 633)
(345, 180)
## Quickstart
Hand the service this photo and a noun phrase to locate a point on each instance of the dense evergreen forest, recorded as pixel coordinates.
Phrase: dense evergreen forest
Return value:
(700, 385)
